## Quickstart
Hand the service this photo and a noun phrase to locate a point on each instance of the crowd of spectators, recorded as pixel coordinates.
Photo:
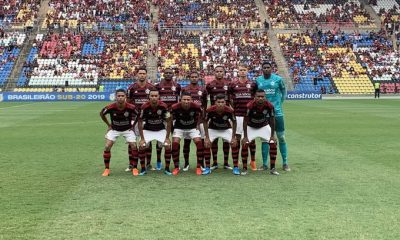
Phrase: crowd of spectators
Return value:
(87, 56)
(209, 14)
(18, 13)
(289, 13)
(10, 45)
(186, 51)
(179, 50)
(230, 48)
(98, 13)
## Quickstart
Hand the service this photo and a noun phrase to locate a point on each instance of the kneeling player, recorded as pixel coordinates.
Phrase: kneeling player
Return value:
(187, 116)
(259, 122)
(151, 123)
(122, 115)
(218, 125)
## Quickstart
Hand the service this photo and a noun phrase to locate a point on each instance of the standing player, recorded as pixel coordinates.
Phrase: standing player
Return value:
(199, 96)
(259, 122)
(219, 86)
(152, 121)
(169, 94)
(122, 115)
(138, 94)
(275, 91)
(187, 116)
(217, 125)
(242, 92)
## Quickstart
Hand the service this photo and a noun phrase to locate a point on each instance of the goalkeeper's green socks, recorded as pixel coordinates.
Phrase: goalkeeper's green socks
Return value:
(265, 153)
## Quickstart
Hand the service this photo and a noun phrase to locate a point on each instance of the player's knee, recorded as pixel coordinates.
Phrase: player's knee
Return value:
(107, 148)
(281, 137)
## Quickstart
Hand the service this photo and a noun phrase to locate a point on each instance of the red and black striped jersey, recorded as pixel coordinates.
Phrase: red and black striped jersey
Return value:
(186, 119)
(154, 118)
(219, 121)
(121, 119)
(198, 93)
(241, 93)
(259, 116)
(169, 92)
(139, 95)
(218, 87)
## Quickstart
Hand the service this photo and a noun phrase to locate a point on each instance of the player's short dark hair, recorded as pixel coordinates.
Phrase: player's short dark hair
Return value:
(154, 90)
(219, 66)
(220, 96)
(120, 90)
(266, 63)
(260, 91)
(142, 68)
(194, 72)
(186, 94)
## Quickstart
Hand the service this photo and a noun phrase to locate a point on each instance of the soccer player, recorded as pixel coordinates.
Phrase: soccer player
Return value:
(275, 91)
(217, 125)
(187, 116)
(199, 96)
(138, 94)
(151, 122)
(242, 92)
(259, 122)
(169, 94)
(219, 86)
(122, 114)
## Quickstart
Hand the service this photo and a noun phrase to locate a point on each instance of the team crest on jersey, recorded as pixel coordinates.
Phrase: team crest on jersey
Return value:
(147, 91)
(191, 114)
(272, 83)
(162, 89)
(200, 93)
(114, 114)
(225, 87)
(225, 117)
(126, 114)
(248, 85)
(159, 112)
(173, 88)
(136, 91)
(265, 111)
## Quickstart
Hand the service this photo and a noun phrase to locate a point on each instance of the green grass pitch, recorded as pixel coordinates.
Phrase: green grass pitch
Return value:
(344, 183)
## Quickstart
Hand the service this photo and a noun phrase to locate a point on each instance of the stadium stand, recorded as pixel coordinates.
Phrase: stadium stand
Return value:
(18, 14)
(97, 14)
(209, 14)
(185, 51)
(295, 13)
(10, 47)
(347, 62)
(81, 60)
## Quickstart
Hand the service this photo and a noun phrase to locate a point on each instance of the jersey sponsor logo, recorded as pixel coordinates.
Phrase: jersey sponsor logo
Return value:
(243, 95)
(257, 121)
(186, 123)
(269, 91)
